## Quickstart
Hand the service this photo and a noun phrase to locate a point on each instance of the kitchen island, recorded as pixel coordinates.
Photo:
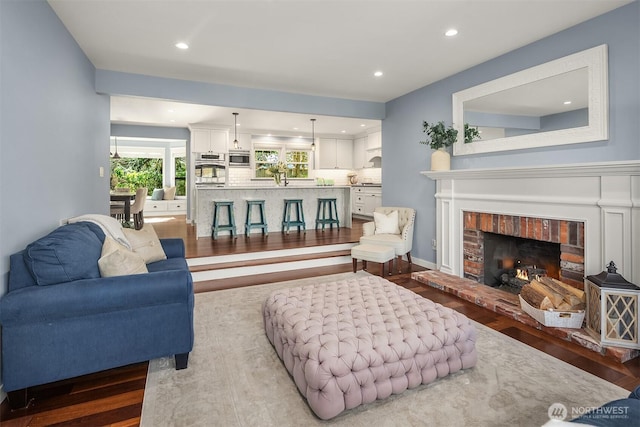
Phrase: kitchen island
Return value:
(274, 205)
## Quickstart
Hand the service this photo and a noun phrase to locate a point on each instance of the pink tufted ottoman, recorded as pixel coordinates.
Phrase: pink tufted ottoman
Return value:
(350, 342)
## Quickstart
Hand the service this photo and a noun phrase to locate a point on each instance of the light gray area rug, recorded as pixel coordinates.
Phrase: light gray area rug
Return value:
(235, 378)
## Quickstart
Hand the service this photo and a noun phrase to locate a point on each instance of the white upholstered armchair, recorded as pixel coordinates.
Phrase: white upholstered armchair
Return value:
(382, 233)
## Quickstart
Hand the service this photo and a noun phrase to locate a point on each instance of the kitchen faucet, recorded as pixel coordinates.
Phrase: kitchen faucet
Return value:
(285, 180)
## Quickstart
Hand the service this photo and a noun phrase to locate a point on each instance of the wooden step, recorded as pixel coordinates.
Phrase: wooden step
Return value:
(260, 263)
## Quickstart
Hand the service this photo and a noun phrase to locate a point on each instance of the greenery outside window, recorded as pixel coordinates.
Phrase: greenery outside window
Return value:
(297, 162)
(134, 173)
(263, 160)
(180, 179)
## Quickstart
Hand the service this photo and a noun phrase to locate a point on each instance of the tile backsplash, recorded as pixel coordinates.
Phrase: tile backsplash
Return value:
(241, 177)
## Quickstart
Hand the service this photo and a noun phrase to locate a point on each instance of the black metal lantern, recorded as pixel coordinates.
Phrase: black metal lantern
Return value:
(612, 309)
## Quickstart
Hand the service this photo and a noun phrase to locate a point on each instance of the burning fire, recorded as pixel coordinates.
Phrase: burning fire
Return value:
(522, 274)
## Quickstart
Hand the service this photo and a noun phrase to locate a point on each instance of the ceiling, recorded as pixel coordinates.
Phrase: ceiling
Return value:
(325, 48)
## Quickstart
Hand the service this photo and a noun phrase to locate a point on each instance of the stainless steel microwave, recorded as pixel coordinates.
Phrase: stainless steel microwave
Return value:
(239, 158)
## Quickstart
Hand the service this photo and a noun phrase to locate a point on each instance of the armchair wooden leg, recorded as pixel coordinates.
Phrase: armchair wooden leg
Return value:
(182, 360)
(409, 258)
(355, 264)
(399, 261)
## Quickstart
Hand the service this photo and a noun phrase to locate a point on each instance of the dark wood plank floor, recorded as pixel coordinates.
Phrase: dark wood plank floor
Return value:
(114, 397)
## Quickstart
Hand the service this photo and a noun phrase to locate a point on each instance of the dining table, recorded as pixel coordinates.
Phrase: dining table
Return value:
(126, 197)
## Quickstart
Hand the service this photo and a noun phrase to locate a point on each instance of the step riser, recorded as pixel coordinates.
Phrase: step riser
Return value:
(227, 273)
(264, 255)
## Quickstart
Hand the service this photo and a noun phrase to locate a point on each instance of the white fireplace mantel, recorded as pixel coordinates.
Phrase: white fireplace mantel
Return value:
(605, 196)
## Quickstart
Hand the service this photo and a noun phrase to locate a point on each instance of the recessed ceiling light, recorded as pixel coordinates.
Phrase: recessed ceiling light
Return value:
(182, 45)
(378, 74)
(567, 102)
(362, 125)
(295, 128)
(451, 32)
(171, 110)
(343, 131)
(172, 121)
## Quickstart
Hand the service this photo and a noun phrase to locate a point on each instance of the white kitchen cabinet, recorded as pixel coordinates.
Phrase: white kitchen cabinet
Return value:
(374, 141)
(344, 154)
(372, 200)
(335, 153)
(359, 161)
(365, 200)
(205, 140)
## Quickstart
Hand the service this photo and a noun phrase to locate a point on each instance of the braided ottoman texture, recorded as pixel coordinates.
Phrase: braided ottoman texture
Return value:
(351, 342)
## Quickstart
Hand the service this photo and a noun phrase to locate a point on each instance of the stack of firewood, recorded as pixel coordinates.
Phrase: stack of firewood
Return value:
(546, 293)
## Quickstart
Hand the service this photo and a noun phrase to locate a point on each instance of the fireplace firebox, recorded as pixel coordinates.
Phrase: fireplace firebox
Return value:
(511, 262)
(493, 243)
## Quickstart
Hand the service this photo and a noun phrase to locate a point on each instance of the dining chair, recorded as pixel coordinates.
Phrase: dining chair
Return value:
(117, 210)
(138, 206)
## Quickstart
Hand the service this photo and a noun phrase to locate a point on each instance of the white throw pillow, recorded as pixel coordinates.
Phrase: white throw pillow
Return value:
(145, 242)
(116, 260)
(386, 224)
(169, 193)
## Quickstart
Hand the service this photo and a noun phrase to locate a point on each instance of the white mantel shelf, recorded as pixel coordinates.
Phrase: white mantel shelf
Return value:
(605, 196)
(571, 170)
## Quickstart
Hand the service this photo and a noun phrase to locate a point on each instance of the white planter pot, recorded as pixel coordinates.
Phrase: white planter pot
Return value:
(440, 160)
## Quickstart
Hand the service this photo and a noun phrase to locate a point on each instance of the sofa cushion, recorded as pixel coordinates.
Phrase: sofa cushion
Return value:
(168, 264)
(386, 224)
(169, 193)
(158, 194)
(116, 260)
(145, 242)
(68, 253)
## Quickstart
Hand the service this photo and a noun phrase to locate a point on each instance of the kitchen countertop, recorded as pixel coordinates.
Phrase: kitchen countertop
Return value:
(272, 187)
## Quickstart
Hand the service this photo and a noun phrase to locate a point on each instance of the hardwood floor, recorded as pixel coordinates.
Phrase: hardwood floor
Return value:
(114, 397)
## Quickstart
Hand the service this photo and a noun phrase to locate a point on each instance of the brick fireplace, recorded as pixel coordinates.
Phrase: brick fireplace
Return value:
(592, 210)
(568, 234)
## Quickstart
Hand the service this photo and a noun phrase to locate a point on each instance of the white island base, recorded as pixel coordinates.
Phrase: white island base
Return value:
(274, 206)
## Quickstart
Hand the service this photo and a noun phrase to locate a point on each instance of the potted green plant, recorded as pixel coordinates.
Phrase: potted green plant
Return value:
(439, 137)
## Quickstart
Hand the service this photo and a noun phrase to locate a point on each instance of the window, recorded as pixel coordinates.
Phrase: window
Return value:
(151, 163)
(263, 160)
(136, 172)
(296, 162)
(180, 179)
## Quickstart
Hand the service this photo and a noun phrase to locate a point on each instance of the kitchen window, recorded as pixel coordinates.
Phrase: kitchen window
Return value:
(296, 161)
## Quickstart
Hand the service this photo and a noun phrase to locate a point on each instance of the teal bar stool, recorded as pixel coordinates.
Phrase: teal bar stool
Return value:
(287, 222)
(218, 205)
(248, 225)
(327, 213)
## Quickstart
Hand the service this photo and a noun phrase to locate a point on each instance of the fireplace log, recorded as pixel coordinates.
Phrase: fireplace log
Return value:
(577, 292)
(553, 296)
(535, 299)
(570, 298)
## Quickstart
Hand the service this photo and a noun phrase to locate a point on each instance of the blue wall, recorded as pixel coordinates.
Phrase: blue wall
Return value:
(404, 158)
(55, 130)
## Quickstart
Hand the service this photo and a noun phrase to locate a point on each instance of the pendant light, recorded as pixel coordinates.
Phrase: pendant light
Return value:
(236, 144)
(313, 135)
(116, 155)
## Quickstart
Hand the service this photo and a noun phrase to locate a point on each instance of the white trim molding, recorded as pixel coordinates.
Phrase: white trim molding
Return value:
(595, 60)
(605, 196)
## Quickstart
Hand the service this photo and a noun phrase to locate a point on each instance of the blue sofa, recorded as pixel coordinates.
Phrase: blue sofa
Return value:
(54, 330)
